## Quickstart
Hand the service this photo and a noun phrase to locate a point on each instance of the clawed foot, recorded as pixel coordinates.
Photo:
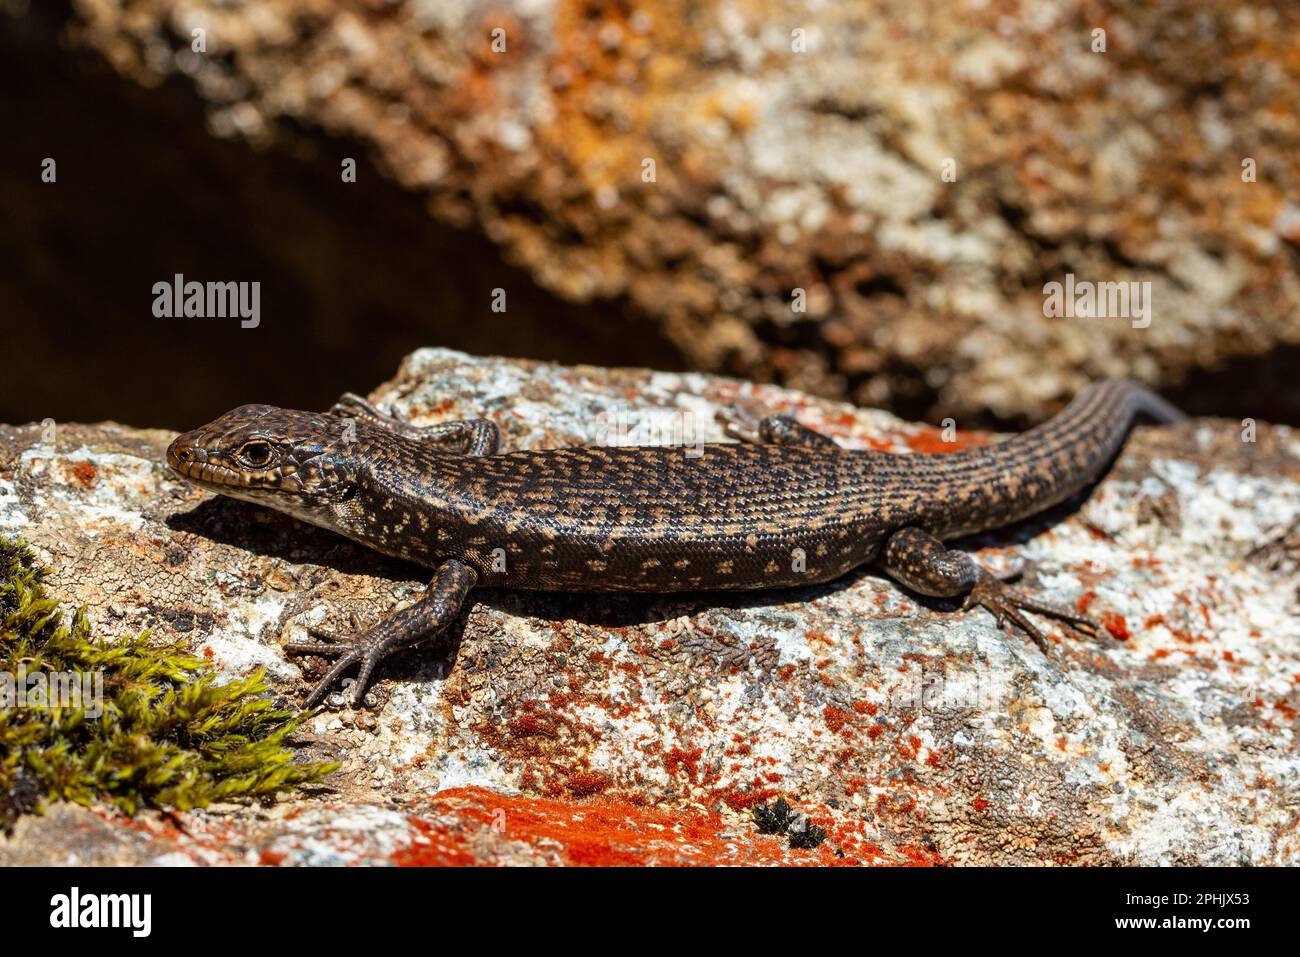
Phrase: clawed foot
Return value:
(1007, 603)
(431, 615)
(348, 651)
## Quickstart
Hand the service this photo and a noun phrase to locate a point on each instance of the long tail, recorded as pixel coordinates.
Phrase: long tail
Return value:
(1141, 400)
(1093, 427)
(1047, 464)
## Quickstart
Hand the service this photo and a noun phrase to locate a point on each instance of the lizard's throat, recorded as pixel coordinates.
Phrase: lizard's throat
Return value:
(306, 507)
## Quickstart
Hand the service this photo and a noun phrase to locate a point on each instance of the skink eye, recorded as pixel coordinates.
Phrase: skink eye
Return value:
(256, 455)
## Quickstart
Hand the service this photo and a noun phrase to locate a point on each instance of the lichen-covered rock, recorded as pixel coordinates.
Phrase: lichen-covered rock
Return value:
(623, 729)
(919, 175)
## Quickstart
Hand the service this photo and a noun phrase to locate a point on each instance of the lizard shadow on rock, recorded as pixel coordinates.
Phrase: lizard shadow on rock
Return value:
(271, 534)
(629, 609)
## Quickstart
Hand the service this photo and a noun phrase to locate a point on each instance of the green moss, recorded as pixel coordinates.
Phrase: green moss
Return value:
(169, 735)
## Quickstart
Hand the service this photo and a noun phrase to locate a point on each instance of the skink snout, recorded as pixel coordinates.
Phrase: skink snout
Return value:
(183, 455)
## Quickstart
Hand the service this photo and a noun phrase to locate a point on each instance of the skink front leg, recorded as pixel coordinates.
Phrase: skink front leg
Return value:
(432, 614)
(924, 564)
(471, 436)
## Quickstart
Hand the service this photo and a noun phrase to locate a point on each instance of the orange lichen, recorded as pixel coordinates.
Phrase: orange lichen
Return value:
(1116, 624)
(437, 846)
(597, 832)
(678, 760)
(933, 441)
(837, 719)
(744, 800)
(85, 474)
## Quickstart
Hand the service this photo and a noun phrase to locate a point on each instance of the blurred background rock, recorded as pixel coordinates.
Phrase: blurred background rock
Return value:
(773, 170)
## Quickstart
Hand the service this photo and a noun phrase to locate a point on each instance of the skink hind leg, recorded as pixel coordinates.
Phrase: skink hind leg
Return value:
(432, 614)
(471, 436)
(748, 422)
(924, 564)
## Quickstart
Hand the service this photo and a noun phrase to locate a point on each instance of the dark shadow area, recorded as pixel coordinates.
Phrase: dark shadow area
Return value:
(1265, 388)
(629, 610)
(271, 534)
(353, 276)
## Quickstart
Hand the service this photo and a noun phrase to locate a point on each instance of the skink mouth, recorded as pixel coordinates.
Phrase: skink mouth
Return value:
(206, 473)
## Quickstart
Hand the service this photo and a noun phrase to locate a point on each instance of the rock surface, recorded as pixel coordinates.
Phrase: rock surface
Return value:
(601, 729)
(804, 146)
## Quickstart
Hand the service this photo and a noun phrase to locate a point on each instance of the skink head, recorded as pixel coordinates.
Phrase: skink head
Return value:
(292, 461)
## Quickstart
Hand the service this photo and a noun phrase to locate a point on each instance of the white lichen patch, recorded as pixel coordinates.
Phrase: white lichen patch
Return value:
(236, 655)
(91, 484)
(342, 837)
(13, 518)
